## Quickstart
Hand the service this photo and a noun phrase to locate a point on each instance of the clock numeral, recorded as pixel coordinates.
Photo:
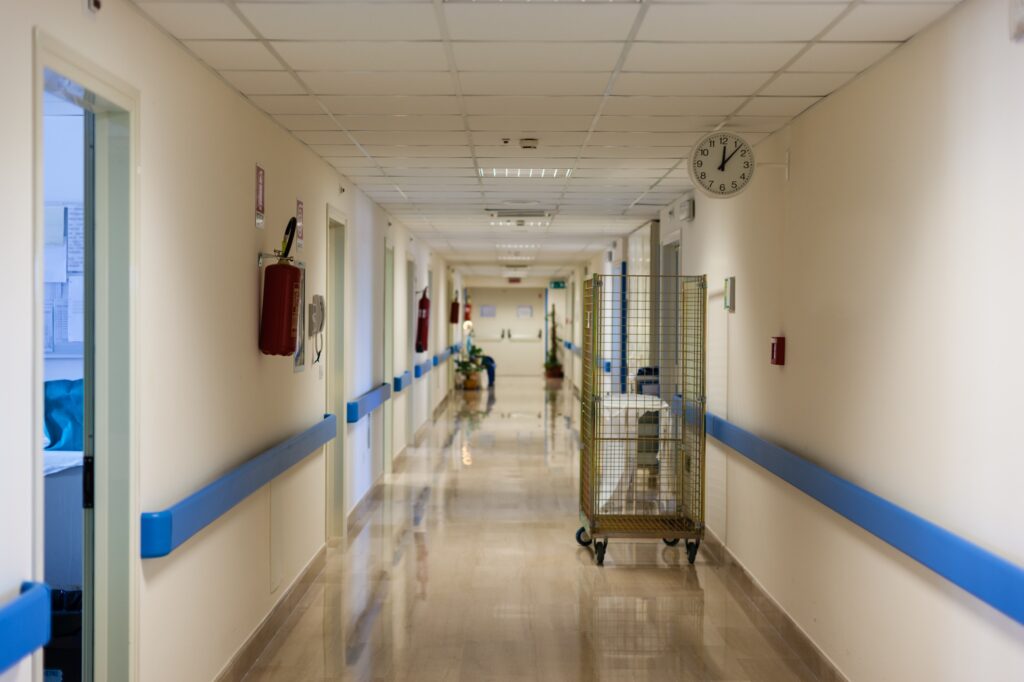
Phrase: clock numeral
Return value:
(703, 175)
(746, 164)
(703, 152)
(699, 164)
(734, 185)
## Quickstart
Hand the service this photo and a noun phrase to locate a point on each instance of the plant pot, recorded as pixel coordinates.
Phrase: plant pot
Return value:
(554, 372)
(471, 382)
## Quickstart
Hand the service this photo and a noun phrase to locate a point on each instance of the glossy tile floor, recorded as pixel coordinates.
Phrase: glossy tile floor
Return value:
(467, 570)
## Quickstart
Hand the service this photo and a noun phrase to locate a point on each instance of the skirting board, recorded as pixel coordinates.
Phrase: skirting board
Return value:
(439, 410)
(357, 517)
(399, 461)
(806, 650)
(245, 658)
(420, 434)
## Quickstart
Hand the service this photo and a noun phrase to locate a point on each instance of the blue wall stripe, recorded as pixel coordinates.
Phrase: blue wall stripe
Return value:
(367, 403)
(164, 531)
(402, 381)
(24, 624)
(989, 577)
(423, 368)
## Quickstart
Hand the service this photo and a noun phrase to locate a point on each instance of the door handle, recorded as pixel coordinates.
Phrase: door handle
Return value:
(539, 334)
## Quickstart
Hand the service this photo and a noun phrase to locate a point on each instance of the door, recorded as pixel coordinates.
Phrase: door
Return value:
(335, 346)
(84, 240)
(389, 353)
(509, 326)
(410, 350)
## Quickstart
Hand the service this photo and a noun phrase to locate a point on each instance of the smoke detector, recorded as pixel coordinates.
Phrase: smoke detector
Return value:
(528, 142)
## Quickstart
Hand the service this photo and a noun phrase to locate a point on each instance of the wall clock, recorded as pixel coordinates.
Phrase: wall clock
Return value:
(721, 164)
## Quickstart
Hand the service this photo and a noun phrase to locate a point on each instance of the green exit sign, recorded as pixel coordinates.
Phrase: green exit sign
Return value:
(558, 284)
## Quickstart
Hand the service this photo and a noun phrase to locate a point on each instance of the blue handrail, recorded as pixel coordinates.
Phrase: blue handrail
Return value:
(367, 403)
(423, 368)
(24, 624)
(442, 356)
(989, 577)
(457, 347)
(402, 381)
(164, 531)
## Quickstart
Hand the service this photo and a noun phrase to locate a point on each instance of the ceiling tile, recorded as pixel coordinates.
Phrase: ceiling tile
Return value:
(506, 56)
(264, 82)
(363, 56)
(537, 123)
(523, 155)
(531, 22)
(286, 104)
(378, 83)
(393, 137)
(689, 83)
(519, 83)
(887, 21)
(777, 106)
(842, 56)
(510, 106)
(625, 152)
(407, 151)
(336, 150)
(343, 21)
(807, 84)
(392, 104)
(325, 137)
(680, 106)
(736, 22)
(657, 123)
(197, 20)
(234, 54)
(710, 56)
(444, 123)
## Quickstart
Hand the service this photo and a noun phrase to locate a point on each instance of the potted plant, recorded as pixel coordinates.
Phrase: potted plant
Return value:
(470, 367)
(552, 365)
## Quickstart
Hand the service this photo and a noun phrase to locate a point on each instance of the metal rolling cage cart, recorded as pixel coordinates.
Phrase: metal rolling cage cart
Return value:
(642, 422)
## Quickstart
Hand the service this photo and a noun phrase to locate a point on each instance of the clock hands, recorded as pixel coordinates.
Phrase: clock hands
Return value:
(726, 159)
(721, 166)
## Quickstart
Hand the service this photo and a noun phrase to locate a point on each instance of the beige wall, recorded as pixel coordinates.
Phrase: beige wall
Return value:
(890, 261)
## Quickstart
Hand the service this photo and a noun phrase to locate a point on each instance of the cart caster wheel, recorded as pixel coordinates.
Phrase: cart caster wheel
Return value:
(582, 537)
(671, 543)
(599, 549)
(691, 550)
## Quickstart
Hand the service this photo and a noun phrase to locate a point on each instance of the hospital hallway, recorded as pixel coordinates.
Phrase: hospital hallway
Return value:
(465, 569)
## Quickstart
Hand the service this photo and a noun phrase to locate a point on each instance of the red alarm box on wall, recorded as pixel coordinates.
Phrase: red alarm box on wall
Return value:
(778, 350)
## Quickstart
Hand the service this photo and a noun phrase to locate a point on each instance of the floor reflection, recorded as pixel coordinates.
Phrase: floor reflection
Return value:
(466, 570)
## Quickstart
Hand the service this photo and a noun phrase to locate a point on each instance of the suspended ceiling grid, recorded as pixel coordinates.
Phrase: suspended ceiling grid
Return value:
(413, 101)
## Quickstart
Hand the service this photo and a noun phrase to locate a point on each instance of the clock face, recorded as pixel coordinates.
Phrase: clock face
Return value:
(721, 164)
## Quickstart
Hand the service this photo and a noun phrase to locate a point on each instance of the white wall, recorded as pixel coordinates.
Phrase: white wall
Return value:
(890, 261)
(207, 399)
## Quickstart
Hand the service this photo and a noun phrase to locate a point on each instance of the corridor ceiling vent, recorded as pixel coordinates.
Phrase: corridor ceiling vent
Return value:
(520, 222)
(526, 173)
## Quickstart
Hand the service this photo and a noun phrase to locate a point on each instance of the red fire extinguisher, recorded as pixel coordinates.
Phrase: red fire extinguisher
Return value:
(469, 308)
(423, 323)
(453, 311)
(282, 284)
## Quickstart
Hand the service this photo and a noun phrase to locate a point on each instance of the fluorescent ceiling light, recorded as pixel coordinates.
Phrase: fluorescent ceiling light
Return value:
(526, 173)
(520, 223)
(516, 257)
(517, 246)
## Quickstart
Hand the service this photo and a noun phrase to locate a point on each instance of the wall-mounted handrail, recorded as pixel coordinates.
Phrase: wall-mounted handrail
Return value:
(367, 403)
(989, 577)
(164, 531)
(456, 348)
(422, 369)
(442, 356)
(572, 347)
(402, 381)
(24, 624)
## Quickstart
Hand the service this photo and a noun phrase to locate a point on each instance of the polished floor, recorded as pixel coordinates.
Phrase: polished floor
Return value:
(466, 570)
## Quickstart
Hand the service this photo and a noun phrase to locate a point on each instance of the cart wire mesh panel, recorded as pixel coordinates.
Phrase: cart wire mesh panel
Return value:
(642, 422)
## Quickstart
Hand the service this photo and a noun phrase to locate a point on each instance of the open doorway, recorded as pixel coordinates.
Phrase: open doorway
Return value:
(389, 353)
(88, 515)
(336, 513)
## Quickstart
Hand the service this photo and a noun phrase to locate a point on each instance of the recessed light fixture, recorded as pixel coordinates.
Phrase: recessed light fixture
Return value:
(535, 173)
(520, 223)
(517, 257)
(517, 246)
